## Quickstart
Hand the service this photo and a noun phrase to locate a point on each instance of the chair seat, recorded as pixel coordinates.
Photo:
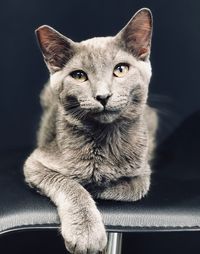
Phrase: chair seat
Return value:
(172, 204)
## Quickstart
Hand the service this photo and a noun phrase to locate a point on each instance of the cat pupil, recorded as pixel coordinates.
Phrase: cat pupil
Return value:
(120, 68)
(79, 74)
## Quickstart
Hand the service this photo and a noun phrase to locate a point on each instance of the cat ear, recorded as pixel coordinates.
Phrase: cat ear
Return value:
(56, 48)
(136, 35)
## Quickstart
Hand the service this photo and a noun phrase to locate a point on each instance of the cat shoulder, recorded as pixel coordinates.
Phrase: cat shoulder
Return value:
(47, 97)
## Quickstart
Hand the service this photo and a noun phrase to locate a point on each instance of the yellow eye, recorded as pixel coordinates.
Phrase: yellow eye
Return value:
(79, 75)
(120, 70)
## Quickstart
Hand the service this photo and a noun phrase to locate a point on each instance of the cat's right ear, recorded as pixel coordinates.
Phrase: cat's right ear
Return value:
(56, 48)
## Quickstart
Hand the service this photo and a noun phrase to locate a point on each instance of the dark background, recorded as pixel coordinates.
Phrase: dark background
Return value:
(175, 85)
(174, 90)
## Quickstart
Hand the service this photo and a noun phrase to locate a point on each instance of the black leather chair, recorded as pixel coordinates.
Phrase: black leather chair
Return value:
(173, 204)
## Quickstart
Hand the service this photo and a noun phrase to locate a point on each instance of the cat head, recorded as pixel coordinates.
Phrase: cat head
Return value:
(103, 79)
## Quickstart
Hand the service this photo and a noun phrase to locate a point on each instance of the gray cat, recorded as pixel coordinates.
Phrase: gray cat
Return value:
(97, 133)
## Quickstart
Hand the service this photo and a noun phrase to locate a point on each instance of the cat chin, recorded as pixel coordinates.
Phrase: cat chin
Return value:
(106, 118)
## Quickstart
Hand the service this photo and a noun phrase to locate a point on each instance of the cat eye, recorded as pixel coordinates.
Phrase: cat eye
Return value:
(120, 70)
(79, 75)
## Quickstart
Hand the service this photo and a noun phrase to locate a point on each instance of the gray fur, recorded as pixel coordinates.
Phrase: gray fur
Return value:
(83, 151)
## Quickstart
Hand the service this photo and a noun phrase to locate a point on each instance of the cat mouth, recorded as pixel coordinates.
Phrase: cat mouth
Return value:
(106, 111)
(106, 115)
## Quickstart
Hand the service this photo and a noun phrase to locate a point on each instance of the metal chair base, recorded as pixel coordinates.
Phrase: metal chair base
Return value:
(114, 245)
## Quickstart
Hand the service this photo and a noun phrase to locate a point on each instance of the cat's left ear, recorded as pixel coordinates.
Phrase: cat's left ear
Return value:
(136, 35)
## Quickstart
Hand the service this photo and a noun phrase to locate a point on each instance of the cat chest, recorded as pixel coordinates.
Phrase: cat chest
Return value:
(100, 166)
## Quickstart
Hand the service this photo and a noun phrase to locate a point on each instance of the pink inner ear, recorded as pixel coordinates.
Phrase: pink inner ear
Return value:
(43, 34)
(45, 37)
(56, 48)
(143, 51)
(137, 34)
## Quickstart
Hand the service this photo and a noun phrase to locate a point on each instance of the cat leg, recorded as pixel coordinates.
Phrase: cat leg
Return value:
(131, 189)
(81, 223)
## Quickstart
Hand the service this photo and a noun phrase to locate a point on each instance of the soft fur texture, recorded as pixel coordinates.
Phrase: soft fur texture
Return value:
(89, 148)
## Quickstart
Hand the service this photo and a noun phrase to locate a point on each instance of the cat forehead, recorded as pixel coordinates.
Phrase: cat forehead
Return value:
(98, 42)
(100, 51)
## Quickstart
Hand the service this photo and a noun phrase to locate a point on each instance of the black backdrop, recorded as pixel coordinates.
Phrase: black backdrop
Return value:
(175, 85)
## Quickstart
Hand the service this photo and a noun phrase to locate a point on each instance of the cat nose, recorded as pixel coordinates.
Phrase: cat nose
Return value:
(103, 98)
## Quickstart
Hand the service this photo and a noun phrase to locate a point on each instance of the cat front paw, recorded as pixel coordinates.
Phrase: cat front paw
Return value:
(84, 237)
(140, 187)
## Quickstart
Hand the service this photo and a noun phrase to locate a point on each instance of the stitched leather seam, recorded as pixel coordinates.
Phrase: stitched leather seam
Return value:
(109, 228)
